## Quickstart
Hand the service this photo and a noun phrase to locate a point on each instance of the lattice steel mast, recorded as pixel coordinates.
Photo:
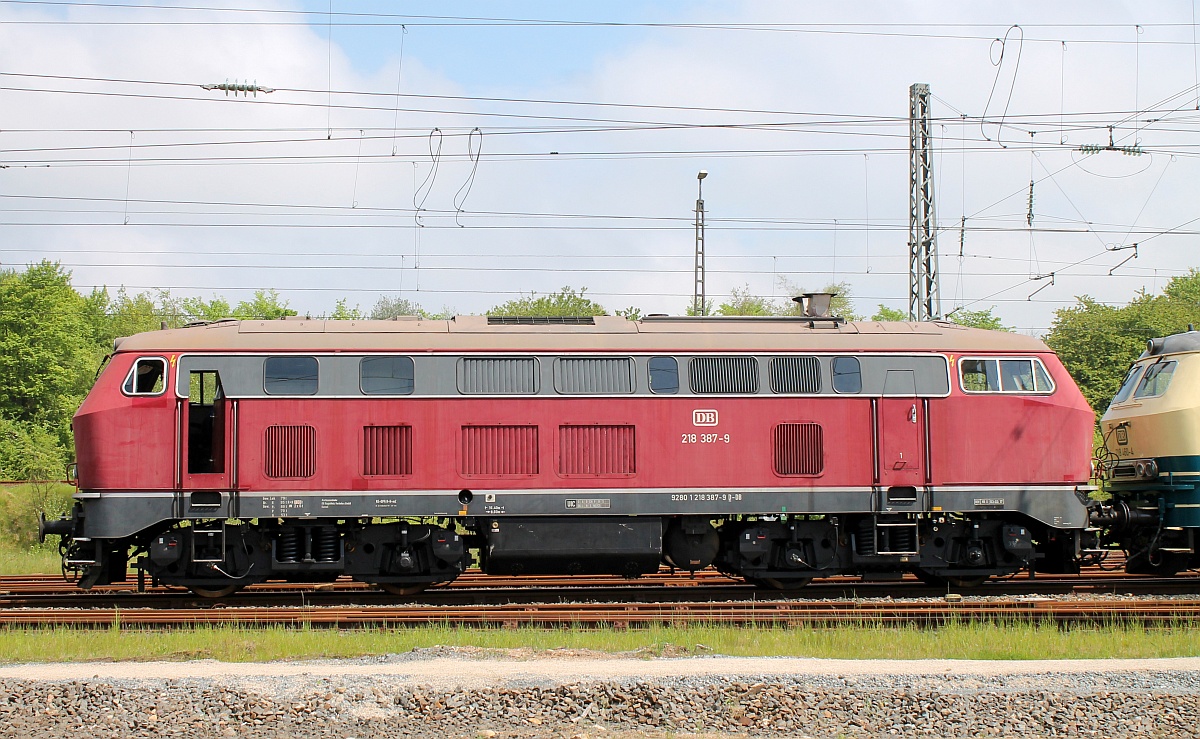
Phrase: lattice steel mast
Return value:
(698, 306)
(924, 289)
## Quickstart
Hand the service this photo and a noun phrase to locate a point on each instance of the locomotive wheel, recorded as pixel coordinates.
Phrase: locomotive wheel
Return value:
(779, 583)
(398, 589)
(215, 592)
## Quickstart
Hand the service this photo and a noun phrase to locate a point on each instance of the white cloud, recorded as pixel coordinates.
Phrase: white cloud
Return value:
(828, 177)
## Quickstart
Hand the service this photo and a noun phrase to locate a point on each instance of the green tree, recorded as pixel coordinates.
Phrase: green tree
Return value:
(30, 452)
(199, 309)
(1097, 342)
(979, 319)
(565, 302)
(266, 304)
(48, 347)
(392, 307)
(631, 313)
(889, 314)
(343, 313)
(744, 303)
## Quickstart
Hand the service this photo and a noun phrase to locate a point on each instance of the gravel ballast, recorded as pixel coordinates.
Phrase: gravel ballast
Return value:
(432, 695)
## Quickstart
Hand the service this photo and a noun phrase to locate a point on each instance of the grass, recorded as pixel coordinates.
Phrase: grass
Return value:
(248, 644)
(34, 560)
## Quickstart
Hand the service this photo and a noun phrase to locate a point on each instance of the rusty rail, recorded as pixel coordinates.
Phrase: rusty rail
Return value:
(629, 615)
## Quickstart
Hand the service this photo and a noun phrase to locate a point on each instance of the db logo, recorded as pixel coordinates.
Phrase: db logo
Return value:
(704, 418)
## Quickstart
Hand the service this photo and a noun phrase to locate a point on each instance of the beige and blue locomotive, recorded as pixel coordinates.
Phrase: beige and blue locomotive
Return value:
(1150, 459)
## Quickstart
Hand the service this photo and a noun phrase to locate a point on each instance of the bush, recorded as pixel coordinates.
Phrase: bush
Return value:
(19, 509)
(29, 452)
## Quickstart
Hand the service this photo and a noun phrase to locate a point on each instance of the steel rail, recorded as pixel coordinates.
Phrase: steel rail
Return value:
(630, 615)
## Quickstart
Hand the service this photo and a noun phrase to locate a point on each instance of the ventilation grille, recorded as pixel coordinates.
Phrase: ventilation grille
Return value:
(387, 450)
(291, 451)
(795, 375)
(594, 376)
(596, 450)
(799, 449)
(724, 375)
(498, 376)
(499, 450)
(541, 321)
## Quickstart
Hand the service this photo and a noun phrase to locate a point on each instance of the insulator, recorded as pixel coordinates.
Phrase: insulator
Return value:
(287, 546)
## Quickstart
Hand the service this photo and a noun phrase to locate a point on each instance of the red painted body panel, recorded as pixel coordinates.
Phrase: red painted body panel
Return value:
(126, 443)
(1001, 439)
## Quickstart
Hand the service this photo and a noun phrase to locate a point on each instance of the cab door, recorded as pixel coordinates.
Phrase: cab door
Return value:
(901, 428)
(207, 423)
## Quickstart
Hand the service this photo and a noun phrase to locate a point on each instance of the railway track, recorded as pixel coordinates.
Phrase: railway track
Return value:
(703, 597)
(627, 615)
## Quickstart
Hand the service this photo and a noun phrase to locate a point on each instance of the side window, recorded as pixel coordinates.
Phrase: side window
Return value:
(979, 375)
(847, 375)
(290, 376)
(1158, 377)
(664, 375)
(1025, 375)
(1128, 384)
(1016, 375)
(148, 377)
(386, 375)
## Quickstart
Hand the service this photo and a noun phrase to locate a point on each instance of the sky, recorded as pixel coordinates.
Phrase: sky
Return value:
(462, 154)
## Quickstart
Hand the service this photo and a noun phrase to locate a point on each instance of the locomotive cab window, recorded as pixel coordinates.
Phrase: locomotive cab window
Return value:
(664, 375)
(1024, 375)
(1128, 384)
(386, 375)
(1156, 380)
(148, 377)
(290, 376)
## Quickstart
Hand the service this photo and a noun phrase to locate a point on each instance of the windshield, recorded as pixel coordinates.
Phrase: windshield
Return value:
(1128, 384)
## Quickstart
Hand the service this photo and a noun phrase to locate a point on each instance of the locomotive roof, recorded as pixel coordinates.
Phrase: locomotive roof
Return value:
(1188, 341)
(602, 333)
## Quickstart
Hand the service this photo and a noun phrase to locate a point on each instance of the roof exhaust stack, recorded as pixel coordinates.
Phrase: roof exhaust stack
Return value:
(815, 305)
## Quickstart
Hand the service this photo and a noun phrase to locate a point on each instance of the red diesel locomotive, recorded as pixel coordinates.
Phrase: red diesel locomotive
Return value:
(400, 452)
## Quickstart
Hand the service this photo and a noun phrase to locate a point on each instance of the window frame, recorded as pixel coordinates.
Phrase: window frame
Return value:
(131, 377)
(316, 380)
(1133, 377)
(1162, 365)
(1034, 361)
(833, 374)
(411, 364)
(650, 375)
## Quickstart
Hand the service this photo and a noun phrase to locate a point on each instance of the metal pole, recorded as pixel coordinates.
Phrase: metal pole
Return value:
(698, 305)
(924, 288)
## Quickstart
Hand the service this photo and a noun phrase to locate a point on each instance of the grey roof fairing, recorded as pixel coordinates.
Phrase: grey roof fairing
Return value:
(610, 333)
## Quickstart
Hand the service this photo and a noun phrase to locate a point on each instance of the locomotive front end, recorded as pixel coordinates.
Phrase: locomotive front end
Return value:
(1150, 459)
